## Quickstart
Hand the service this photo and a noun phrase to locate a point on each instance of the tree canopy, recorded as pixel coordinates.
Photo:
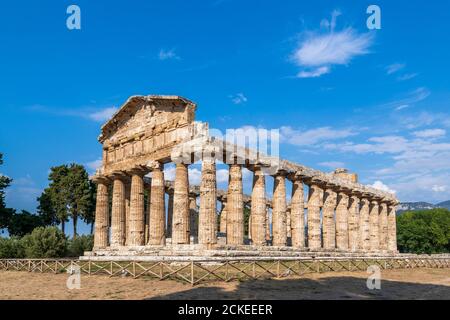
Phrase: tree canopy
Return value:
(426, 231)
(5, 213)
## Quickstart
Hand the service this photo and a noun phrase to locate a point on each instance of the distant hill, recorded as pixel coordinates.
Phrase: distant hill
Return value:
(412, 206)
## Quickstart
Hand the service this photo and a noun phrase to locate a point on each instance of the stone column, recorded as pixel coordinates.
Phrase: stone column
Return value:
(137, 219)
(342, 221)
(297, 214)
(193, 212)
(148, 187)
(279, 208)
(258, 208)
(288, 224)
(353, 223)
(170, 205)
(118, 227)
(314, 204)
(157, 234)
(392, 228)
(101, 214)
(267, 224)
(223, 217)
(180, 233)
(127, 210)
(235, 207)
(383, 226)
(208, 197)
(364, 224)
(373, 225)
(328, 222)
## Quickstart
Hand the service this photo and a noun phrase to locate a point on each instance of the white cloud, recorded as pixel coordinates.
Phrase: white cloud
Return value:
(393, 68)
(437, 188)
(407, 76)
(102, 115)
(409, 100)
(322, 50)
(94, 165)
(167, 55)
(430, 133)
(381, 186)
(332, 164)
(313, 136)
(315, 73)
(239, 98)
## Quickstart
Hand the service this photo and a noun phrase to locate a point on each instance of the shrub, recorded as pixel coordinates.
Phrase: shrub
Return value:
(11, 248)
(47, 242)
(79, 245)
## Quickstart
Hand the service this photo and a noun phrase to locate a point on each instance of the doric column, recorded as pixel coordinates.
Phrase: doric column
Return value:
(118, 215)
(297, 213)
(235, 207)
(148, 187)
(223, 216)
(157, 234)
(314, 204)
(258, 208)
(364, 224)
(137, 219)
(268, 224)
(180, 233)
(193, 213)
(127, 210)
(288, 223)
(328, 222)
(208, 198)
(373, 225)
(342, 221)
(279, 208)
(101, 214)
(383, 226)
(170, 205)
(392, 227)
(353, 223)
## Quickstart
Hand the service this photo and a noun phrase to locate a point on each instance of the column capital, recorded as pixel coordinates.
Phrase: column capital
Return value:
(97, 179)
(139, 170)
(121, 175)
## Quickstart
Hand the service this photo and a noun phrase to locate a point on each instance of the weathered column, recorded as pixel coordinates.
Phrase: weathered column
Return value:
(118, 227)
(127, 210)
(268, 224)
(258, 208)
(180, 233)
(297, 213)
(392, 228)
(364, 224)
(328, 222)
(342, 221)
(137, 219)
(208, 198)
(373, 225)
(148, 187)
(223, 216)
(279, 207)
(235, 207)
(157, 234)
(193, 212)
(383, 226)
(170, 204)
(101, 214)
(314, 204)
(353, 223)
(288, 224)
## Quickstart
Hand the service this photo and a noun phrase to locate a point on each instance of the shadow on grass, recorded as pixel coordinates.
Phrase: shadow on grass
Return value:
(340, 288)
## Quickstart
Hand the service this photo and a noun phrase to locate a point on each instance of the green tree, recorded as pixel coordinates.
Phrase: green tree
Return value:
(47, 242)
(5, 213)
(23, 223)
(426, 231)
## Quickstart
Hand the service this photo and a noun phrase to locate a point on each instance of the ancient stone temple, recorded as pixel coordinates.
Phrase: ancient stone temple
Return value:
(140, 213)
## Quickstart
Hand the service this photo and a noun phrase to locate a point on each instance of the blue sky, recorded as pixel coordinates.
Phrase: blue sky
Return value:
(373, 101)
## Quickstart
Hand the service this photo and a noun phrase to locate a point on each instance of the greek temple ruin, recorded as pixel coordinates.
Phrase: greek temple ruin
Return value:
(140, 213)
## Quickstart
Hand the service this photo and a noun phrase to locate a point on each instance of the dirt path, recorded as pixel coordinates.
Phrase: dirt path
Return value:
(396, 284)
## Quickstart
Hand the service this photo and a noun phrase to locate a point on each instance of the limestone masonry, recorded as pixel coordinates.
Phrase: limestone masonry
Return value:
(339, 215)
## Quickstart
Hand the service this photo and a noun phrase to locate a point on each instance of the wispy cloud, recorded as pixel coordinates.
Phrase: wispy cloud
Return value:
(318, 51)
(409, 100)
(102, 115)
(395, 67)
(89, 113)
(332, 164)
(407, 76)
(165, 54)
(381, 186)
(313, 136)
(430, 133)
(239, 98)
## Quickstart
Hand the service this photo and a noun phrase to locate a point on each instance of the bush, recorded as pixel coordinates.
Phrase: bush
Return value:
(79, 245)
(47, 242)
(426, 231)
(11, 248)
